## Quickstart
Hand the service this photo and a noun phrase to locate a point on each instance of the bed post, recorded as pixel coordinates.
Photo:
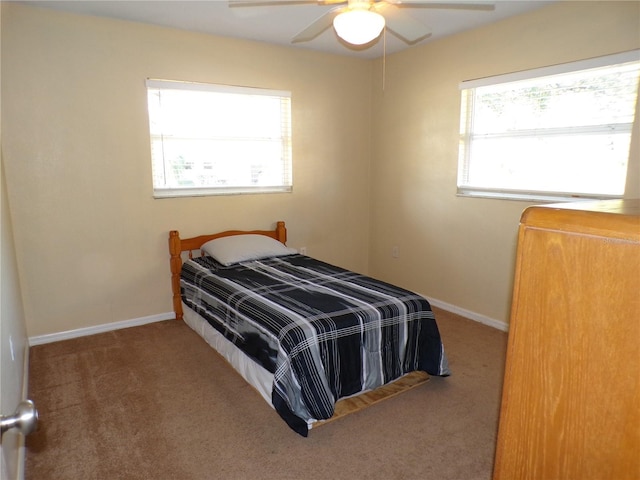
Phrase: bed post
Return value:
(176, 265)
(281, 232)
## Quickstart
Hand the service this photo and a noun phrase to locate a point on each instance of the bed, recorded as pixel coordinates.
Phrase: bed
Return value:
(315, 340)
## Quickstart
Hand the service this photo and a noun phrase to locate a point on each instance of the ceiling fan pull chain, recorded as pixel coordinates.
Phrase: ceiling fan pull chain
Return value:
(384, 56)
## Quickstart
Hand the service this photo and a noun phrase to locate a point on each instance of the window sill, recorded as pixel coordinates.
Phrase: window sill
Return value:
(538, 197)
(205, 192)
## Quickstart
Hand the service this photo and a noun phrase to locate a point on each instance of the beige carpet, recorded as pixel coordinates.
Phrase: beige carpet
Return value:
(155, 402)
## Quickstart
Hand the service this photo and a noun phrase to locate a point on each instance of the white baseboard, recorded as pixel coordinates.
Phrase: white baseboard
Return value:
(106, 327)
(491, 322)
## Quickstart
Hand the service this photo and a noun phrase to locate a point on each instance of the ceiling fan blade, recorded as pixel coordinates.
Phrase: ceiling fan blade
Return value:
(401, 24)
(454, 4)
(318, 26)
(268, 3)
(275, 3)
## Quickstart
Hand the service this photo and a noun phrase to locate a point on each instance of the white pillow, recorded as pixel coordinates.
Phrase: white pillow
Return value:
(239, 248)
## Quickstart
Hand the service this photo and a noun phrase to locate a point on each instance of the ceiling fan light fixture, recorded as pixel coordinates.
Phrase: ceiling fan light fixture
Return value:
(358, 26)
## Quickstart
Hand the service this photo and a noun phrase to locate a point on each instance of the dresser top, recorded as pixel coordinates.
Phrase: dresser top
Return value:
(618, 207)
(611, 218)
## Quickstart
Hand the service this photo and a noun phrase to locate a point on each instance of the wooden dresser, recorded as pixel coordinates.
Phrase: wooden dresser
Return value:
(571, 396)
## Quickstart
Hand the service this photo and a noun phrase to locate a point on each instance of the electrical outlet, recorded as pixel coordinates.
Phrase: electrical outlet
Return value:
(395, 252)
(303, 250)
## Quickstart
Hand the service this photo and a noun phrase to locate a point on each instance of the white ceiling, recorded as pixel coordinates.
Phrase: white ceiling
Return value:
(277, 24)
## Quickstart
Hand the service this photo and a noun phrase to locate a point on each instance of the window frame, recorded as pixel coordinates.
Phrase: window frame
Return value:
(286, 186)
(466, 125)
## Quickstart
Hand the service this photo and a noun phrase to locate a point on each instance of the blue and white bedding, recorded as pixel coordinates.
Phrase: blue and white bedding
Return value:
(323, 332)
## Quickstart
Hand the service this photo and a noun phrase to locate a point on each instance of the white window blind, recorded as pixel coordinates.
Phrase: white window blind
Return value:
(561, 131)
(211, 139)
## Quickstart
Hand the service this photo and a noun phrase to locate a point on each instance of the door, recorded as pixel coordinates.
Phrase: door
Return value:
(13, 344)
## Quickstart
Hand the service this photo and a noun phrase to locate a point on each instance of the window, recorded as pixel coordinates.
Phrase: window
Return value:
(561, 131)
(217, 139)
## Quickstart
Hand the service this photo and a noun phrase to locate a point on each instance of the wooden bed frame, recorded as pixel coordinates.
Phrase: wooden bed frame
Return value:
(344, 406)
(178, 245)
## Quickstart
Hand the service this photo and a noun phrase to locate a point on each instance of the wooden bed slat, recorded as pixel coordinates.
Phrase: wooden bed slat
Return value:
(350, 405)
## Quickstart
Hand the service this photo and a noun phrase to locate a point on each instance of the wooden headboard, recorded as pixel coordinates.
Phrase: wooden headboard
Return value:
(178, 245)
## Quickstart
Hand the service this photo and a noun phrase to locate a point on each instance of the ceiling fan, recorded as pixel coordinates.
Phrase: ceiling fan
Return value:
(359, 22)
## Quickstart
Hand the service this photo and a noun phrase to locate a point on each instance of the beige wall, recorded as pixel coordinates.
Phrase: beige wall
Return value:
(461, 251)
(372, 168)
(91, 241)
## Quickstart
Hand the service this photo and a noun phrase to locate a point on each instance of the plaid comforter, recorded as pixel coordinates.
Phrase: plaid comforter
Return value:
(324, 332)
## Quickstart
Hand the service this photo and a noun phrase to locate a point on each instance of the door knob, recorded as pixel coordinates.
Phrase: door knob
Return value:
(25, 419)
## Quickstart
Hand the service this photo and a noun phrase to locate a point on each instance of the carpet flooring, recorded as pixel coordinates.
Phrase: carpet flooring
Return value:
(155, 402)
